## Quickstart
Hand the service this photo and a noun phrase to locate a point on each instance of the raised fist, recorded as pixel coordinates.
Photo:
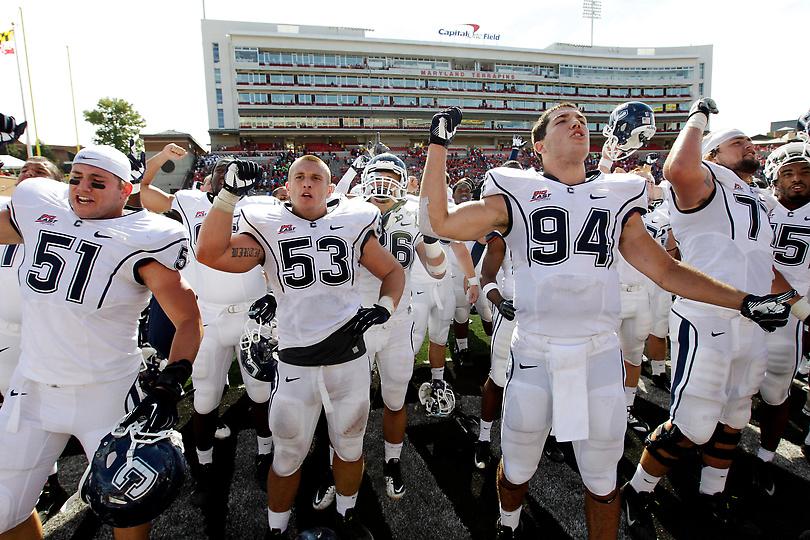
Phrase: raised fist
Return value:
(444, 125)
(137, 163)
(241, 176)
(173, 152)
(704, 105)
(10, 131)
(360, 163)
(517, 142)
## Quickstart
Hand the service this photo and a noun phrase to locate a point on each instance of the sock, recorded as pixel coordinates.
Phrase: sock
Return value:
(643, 481)
(278, 520)
(484, 431)
(392, 451)
(461, 343)
(765, 455)
(205, 457)
(630, 395)
(331, 455)
(345, 502)
(437, 373)
(265, 444)
(511, 519)
(659, 367)
(712, 480)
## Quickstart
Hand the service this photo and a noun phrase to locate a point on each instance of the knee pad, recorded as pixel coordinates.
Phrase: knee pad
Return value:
(721, 436)
(597, 463)
(461, 315)
(289, 439)
(347, 426)
(523, 430)
(393, 393)
(665, 445)
(257, 391)
(206, 399)
(6, 520)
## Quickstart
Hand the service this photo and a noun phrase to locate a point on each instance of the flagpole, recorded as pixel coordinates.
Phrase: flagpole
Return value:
(73, 98)
(30, 88)
(29, 153)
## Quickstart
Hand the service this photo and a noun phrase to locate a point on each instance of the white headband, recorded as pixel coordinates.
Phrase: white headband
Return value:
(716, 138)
(105, 157)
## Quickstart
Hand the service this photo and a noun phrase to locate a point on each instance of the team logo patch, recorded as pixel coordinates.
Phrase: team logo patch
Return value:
(738, 187)
(47, 219)
(200, 213)
(182, 259)
(540, 195)
(286, 228)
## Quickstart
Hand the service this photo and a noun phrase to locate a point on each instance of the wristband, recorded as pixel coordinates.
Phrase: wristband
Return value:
(439, 268)
(473, 281)
(173, 377)
(386, 302)
(226, 201)
(488, 287)
(698, 120)
(606, 163)
(801, 309)
(433, 250)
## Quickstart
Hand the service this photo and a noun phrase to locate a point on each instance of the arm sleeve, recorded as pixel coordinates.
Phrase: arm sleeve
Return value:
(346, 182)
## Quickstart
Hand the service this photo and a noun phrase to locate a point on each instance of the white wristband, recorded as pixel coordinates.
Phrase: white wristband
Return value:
(801, 309)
(433, 250)
(226, 201)
(386, 302)
(488, 287)
(473, 281)
(698, 120)
(437, 269)
(606, 163)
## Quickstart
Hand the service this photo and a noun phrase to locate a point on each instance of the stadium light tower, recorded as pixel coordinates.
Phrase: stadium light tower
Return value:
(592, 9)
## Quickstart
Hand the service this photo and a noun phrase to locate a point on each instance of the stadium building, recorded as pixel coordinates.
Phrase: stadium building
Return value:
(270, 86)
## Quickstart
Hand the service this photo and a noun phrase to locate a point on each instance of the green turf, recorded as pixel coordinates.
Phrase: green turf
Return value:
(478, 342)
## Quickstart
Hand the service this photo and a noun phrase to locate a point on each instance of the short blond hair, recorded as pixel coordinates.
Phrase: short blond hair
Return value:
(314, 159)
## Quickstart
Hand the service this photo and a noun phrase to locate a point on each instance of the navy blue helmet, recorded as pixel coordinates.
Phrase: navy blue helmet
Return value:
(803, 126)
(257, 355)
(134, 476)
(630, 126)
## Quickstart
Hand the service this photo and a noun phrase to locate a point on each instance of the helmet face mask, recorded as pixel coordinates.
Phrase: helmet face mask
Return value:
(257, 354)
(630, 126)
(385, 177)
(793, 152)
(438, 398)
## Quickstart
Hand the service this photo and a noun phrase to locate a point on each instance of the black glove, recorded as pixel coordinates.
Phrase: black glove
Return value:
(158, 410)
(137, 164)
(769, 311)
(360, 162)
(264, 309)
(444, 125)
(366, 318)
(803, 125)
(704, 105)
(507, 309)
(241, 176)
(429, 239)
(10, 131)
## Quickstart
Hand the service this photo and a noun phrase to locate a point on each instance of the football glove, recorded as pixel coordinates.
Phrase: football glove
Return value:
(769, 311)
(241, 176)
(507, 309)
(10, 131)
(517, 142)
(366, 318)
(263, 310)
(444, 125)
(137, 164)
(360, 162)
(704, 105)
(158, 410)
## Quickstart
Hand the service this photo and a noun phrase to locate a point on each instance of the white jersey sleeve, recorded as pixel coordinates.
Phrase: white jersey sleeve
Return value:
(791, 244)
(10, 259)
(80, 284)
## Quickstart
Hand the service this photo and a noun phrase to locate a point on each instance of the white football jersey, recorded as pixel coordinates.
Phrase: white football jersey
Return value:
(400, 235)
(791, 243)
(312, 266)
(564, 241)
(728, 237)
(81, 292)
(10, 258)
(505, 277)
(213, 286)
(657, 224)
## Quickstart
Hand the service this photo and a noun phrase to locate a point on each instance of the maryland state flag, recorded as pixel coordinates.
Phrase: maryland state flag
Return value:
(6, 42)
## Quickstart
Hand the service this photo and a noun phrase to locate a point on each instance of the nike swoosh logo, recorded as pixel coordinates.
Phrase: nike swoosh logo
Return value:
(420, 292)
(99, 235)
(521, 366)
(288, 379)
(771, 491)
(715, 334)
(630, 521)
(335, 228)
(5, 349)
(406, 224)
(598, 197)
(807, 218)
(14, 393)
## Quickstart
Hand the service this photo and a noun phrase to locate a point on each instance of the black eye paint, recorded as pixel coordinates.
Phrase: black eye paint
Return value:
(98, 185)
(74, 181)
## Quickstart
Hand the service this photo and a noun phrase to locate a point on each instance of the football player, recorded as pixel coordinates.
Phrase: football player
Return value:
(719, 356)
(564, 229)
(85, 278)
(788, 168)
(224, 300)
(311, 251)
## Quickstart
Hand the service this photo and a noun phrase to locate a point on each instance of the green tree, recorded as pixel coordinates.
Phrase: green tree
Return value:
(117, 122)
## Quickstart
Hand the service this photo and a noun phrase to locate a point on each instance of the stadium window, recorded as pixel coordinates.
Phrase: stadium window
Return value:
(635, 92)
(350, 100)
(246, 54)
(217, 76)
(219, 96)
(282, 98)
(220, 118)
(700, 89)
(426, 102)
(304, 99)
(702, 70)
(527, 88)
(215, 50)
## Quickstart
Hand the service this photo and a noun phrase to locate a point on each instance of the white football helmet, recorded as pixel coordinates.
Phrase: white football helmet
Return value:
(438, 398)
(791, 152)
(381, 186)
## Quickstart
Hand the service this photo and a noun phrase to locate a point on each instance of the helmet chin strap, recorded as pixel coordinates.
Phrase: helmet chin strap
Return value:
(614, 153)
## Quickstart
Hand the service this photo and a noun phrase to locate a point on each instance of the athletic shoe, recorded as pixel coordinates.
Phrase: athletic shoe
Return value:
(392, 472)
(636, 424)
(223, 431)
(637, 512)
(661, 381)
(51, 499)
(349, 527)
(482, 454)
(806, 409)
(325, 494)
(502, 532)
(806, 452)
(275, 534)
(263, 463)
(762, 480)
(552, 450)
(203, 492)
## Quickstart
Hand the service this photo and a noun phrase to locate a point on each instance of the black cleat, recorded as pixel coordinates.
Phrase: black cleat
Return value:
(325, 494)
(263, 463)
(662, 381)
(636, 424)
(203, 492)
(637, 512)
(552, 450)
(762, 480)
(503, 532)
(51, 499)
(275, 534)
(348, 527)
(806, 452)
(482, 454)
(392, 472)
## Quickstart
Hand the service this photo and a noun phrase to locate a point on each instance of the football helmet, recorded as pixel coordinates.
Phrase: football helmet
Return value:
(803, 127)
(787, 153)
(381, 186)
(258, 352)
(437, 397)
(629, 127)
(134, 476)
